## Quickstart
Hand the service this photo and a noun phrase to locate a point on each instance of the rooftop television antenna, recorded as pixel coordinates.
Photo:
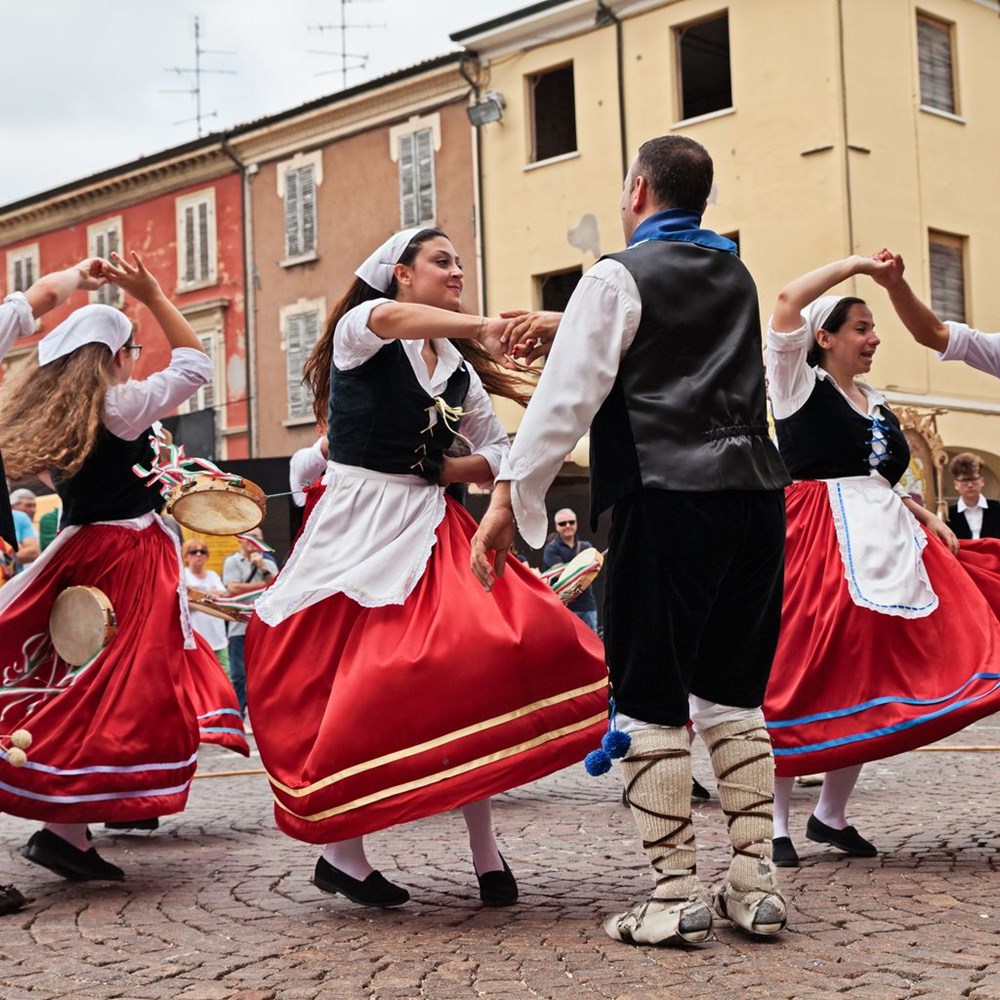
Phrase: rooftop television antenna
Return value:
(198, 71)
(348, 60)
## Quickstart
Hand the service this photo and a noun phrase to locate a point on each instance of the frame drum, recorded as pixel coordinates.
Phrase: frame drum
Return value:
(82, 622)
(213, 506)
(578, 574)
(201, 600)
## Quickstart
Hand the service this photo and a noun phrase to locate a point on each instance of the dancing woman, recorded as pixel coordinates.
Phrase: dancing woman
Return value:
(872, 589)
(384, 685)
(117, 738)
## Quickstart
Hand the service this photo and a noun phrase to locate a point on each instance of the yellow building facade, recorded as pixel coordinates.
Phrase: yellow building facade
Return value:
(836, 126)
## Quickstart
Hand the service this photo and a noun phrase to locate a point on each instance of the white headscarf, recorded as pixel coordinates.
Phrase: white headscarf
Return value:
(818, 312)
(94, 324)
(377, 269)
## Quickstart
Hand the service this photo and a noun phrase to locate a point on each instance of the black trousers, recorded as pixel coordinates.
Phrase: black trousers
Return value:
(692, 605)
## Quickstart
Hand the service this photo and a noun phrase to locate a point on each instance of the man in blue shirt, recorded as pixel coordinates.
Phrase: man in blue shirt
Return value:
(22, 505)
(561, 550)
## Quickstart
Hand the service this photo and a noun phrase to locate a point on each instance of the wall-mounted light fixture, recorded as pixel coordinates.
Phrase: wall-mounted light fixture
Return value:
(488, 109)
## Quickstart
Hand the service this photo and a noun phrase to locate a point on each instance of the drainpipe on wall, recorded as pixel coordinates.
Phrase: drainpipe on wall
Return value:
(477, 195)
(606, 16)
(844, 139)
(249, 296)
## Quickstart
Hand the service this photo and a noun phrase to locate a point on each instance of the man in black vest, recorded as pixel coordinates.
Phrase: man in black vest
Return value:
(659, 352)
(973, 516)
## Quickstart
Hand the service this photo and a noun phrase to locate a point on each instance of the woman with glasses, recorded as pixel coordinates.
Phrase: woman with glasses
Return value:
(887, 643)
(384, 684)
(117, 738)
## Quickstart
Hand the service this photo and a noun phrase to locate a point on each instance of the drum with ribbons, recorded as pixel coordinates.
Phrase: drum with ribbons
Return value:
(81, 623)
(219, 607)
(570, 580)
(217, 504)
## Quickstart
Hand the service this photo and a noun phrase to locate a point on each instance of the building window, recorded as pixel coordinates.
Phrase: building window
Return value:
(554, 290)
(947, 260)
(196, 240)
(300, 212)
(300, 327)
(553, 113)
(102, 238)
(934, 56)
(416, 179)
(22, 268)
(704, 81)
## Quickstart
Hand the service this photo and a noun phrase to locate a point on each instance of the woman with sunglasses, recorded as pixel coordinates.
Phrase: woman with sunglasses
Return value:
(117, 738)
(384, 684)
(198, 576)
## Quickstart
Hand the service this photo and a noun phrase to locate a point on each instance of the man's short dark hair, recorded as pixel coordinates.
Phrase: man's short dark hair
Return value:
(678, 171)
(966, 466)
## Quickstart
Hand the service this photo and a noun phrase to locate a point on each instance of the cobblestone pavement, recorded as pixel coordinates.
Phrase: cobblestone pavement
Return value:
(218, 905)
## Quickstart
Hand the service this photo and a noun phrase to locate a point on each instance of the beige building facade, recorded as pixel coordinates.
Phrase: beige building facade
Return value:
(836, 126)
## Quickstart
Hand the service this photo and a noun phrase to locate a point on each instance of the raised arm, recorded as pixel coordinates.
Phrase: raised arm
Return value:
(54, 289)
(918, 318)
(392, 320)
(799, 292)
(141, 285)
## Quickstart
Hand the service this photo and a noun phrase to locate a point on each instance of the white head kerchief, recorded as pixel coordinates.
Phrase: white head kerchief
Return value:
(818, 312)
(95, 324)
(377, 270)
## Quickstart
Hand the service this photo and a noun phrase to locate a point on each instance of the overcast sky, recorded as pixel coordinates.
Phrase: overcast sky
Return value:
(82, 82)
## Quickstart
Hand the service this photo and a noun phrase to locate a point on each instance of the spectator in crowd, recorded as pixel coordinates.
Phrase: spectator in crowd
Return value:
(198, 577)
(564, 547)
(973, 516)
(23, 504)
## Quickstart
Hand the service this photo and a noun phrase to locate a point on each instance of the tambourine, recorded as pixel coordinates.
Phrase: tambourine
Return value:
(82, 622)
(206, 603)
(211, 505)
(577, 575)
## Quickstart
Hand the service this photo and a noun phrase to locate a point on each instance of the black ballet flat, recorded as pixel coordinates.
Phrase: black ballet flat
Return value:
(50, 851)
(12, 899)
(498, 888)
(376, 890)
(134, 824)
(847, 840)
(783, 853)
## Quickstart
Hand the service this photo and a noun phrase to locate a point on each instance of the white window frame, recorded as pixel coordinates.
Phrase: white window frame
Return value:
(102, 238)
(300, 162)
(409, 133)
(679, 31)
(16, 260)
(208, 252)
(298, 401)
(212, 395)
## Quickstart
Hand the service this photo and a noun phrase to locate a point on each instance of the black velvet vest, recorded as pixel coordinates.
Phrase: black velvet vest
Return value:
(381, 417)
(7, 531)
(828, 438)
(106, 488)
(687, 410)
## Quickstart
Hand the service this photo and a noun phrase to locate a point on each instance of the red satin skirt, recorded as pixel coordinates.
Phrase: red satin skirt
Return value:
(369, 717)
(851, 685)
(118, 738)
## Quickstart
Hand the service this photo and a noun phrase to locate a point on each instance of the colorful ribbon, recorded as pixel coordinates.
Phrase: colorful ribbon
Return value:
(170, 467)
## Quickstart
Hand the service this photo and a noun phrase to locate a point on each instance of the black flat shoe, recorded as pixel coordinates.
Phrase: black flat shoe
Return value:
(50, 851)
(497, 888)
(847, 840)
(12, 900)
(783, 853)
(134, 824)
(699, 791)
(376, 890)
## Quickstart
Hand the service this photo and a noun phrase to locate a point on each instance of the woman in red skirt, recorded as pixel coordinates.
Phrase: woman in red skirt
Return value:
(383, 683)
(116, 739)
(873, 591)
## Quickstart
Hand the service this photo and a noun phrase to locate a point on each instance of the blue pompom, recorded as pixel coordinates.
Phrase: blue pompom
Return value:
(616, 743)
(597, 762)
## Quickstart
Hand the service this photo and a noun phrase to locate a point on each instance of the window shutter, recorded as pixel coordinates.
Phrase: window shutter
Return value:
(29, 272)
(407, 182)
(189, 244)
(203, 247)
(206, 394)
(947, 280)
(293, 241)
(425, 174)
(307, 189)
(934, 56)
(301, 334)
(104, 243)
(19, 284)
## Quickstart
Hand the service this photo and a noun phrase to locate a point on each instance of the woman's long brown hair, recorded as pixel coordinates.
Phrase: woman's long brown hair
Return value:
(316, 374)
(51, 415)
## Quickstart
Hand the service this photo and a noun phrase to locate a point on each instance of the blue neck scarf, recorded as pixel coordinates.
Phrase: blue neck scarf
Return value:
(681, 225)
